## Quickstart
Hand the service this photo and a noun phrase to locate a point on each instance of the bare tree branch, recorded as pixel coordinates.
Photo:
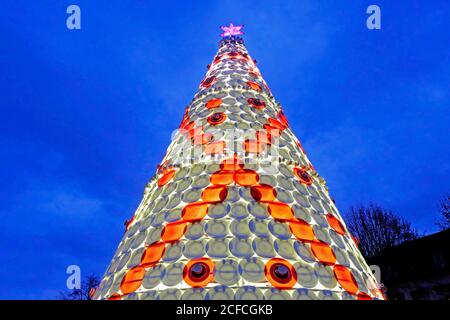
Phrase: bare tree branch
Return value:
(444, 208)
(377, 228)
(87, 284)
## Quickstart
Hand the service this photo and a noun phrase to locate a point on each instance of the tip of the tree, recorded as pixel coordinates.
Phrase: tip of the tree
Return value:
(231, 30)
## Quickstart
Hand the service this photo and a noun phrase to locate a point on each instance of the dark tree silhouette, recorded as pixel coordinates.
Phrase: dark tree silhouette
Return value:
(377, 229)
(444, 208)
(91, 282)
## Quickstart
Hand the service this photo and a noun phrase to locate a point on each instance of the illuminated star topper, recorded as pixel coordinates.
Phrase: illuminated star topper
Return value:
(232, 30)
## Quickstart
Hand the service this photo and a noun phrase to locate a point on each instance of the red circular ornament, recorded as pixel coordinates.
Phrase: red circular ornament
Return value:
(198, 272)
(217, 59)
(363, 296)
(256, 103)
(213, 103)
(166, 177)
(254, 85)
(276, 124)
(303, 176)
(216, 118)
(208, 82)
(281, 116)
(346, 279)
(335, 224)
(280, 273)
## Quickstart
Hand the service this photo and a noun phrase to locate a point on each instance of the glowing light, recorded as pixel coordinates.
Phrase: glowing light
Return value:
(231, 30)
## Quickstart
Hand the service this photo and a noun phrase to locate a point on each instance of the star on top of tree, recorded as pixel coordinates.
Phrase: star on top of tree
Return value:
(231, 30)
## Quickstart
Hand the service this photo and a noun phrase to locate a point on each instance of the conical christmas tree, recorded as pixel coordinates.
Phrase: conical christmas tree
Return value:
(236, 210)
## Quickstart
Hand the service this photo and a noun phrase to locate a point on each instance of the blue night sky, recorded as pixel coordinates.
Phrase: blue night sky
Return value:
(87, 115)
